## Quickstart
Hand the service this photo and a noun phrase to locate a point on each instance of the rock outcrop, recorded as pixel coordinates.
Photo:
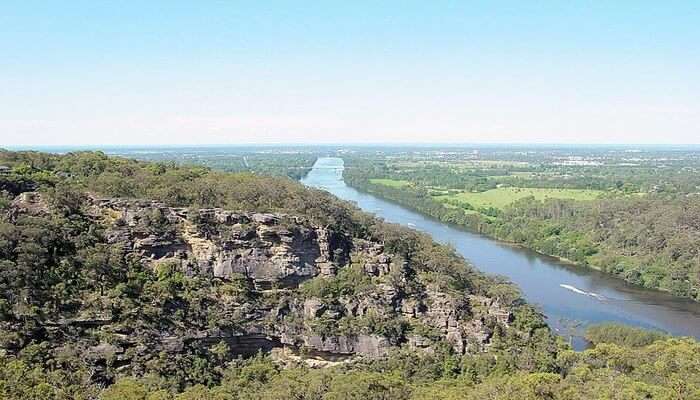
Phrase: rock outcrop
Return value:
(289, 284)
(274, 252)
(269, 250)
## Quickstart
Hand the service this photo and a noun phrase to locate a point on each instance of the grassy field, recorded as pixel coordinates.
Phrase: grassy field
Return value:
(395, 183)
(499, 198)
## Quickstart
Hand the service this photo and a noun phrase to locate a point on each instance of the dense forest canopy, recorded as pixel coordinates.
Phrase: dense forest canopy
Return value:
(71, 294)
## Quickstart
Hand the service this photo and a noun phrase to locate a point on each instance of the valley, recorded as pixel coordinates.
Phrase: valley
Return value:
(126, 279)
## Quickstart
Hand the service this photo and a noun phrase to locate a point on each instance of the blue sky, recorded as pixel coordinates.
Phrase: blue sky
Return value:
(176, 72)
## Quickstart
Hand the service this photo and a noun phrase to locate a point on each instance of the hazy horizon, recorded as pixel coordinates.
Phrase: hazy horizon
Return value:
(279, 73)
(437, 145)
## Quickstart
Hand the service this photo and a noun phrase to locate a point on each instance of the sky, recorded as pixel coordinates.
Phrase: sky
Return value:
(228, 72)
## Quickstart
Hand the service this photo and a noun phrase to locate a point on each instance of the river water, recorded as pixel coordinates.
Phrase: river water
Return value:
(569, 296)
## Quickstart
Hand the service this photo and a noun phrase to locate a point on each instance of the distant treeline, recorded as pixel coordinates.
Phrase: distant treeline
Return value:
(294, 165)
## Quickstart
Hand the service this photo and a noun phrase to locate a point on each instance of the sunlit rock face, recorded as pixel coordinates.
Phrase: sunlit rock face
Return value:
(270, 250)
(274, 281)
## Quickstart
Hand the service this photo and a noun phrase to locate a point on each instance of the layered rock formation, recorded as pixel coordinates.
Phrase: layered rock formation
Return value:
(276, 253)
(269, 250)
(275, 281)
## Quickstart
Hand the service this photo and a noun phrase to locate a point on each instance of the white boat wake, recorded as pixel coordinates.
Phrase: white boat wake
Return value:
(583, 292)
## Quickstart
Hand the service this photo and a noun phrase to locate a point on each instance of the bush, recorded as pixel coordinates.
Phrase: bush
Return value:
(622, 335)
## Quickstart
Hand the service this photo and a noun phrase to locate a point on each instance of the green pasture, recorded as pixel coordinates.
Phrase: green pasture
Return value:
(395, 183)
(501, 197)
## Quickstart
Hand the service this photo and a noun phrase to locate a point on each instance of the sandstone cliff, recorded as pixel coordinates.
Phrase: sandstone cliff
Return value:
(274, 254)
(274, 282)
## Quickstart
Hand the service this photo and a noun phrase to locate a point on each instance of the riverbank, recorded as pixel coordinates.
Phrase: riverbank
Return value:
(531, 234)
(486, 234)
(538, 276)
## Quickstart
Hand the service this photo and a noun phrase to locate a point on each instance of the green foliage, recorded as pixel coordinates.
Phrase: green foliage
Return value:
(390, 182)
(622, 335)
(69, 297)
(584, 214)
(366, 386)
(502, 197)
(125, 389)
(175, 185)
(665, 369)
(24, 380)
(263, 161)
(348, 282)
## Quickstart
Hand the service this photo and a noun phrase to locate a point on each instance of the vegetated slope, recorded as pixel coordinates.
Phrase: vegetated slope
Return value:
(651, 240)
(114, 268)
(127, 280)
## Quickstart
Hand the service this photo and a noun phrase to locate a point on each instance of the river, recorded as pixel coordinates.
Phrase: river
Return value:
(569, 296)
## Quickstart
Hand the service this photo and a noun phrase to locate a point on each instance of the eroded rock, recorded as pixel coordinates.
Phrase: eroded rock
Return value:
(271, 255)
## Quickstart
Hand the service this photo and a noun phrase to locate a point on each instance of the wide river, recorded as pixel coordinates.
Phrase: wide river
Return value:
(568, 295)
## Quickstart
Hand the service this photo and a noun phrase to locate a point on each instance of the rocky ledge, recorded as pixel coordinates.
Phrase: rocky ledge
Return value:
(278, 253)
(283, 283)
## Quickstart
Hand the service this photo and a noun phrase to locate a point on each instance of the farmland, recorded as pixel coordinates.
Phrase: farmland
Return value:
(395, 183)
(502, 197)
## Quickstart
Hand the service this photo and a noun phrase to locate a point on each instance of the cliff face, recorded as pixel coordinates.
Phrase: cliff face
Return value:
(268, 250)
(272, 282)
(274, 254)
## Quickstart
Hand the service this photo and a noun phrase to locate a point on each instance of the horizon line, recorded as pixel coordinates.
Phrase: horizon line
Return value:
(322, 144)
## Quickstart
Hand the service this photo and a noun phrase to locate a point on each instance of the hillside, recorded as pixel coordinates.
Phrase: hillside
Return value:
(130, 280)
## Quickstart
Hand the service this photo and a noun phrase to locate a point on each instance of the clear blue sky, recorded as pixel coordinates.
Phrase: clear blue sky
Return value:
(227, 72)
